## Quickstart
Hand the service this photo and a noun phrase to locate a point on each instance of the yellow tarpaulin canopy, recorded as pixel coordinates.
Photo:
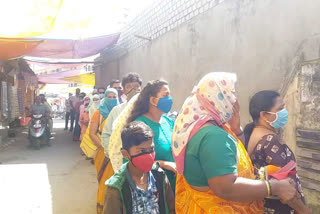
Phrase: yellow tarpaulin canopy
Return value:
(65, 18)
(30, 18)
(88, 79)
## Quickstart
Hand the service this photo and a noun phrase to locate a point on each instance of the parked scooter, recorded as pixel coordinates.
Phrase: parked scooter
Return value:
(39, 131)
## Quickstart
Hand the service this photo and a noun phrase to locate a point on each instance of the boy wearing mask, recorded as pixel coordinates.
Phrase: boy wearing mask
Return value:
(140, 186)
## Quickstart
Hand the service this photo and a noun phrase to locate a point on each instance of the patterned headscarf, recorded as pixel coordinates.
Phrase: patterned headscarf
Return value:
(83, 107)
(211, 100)
(86, 100)
(106, 104)
(94, 103)
(93, 106)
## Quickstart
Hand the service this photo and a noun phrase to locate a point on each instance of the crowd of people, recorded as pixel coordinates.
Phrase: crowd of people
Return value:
(201, 161)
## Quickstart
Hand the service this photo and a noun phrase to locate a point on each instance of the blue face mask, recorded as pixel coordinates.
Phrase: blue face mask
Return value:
(165, 104)
(281, 119)
(110, 103)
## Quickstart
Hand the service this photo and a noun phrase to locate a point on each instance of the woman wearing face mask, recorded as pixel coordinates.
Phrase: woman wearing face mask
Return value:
(94, 104)
(215, 174)
(85, 102)
(265, 147)
(84, 120)
(101, 162)
(153, 102)
(83, 116)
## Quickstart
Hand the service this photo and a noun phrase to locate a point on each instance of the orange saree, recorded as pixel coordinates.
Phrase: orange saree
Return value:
(103, 166)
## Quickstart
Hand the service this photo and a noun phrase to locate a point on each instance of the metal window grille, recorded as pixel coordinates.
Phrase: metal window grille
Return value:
(161, 17)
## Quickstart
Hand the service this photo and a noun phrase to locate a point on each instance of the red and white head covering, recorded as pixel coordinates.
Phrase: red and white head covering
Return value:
(211, 100)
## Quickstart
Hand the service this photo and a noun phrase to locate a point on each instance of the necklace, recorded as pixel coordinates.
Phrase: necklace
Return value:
(270, 129)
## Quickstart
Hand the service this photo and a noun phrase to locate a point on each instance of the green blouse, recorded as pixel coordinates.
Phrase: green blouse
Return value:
(211, 152)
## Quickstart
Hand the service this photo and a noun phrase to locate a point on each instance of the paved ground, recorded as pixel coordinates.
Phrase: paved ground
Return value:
(70, 189)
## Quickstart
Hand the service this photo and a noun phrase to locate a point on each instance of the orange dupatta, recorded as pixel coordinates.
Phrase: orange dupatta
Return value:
(190, 201)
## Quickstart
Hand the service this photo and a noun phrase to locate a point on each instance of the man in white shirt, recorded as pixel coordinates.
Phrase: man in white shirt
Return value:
(131, 84)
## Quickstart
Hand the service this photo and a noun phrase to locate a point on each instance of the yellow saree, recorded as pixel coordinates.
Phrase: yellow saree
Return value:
(104, 172)
(190, 201)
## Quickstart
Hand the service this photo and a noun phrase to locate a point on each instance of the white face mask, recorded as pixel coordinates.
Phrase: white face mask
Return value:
(96, 103)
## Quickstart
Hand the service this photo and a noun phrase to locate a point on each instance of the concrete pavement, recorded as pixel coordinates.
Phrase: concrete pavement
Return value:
(55, 179)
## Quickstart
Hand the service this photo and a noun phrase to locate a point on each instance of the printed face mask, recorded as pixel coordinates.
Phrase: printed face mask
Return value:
(132, 92)
(281, 119)
(165, 104)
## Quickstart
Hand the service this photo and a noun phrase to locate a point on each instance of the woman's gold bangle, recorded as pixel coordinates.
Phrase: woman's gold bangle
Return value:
(269, 188)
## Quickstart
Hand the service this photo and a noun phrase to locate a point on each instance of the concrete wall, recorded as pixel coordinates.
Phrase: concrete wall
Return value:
(270, 44)
(292, 101)
(257, 39)
(302, 133)
(105, 72)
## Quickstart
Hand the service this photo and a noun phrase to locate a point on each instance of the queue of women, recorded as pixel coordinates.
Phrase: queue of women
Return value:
(213, 166)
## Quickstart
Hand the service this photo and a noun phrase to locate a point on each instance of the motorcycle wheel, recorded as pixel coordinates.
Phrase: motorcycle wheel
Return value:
(46, 138)
(37, 144)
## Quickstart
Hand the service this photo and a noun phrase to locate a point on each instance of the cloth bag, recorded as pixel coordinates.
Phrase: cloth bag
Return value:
(87, 146)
